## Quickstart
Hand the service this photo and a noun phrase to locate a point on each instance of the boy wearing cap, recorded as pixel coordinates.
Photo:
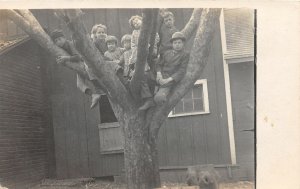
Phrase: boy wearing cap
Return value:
(170, 70)
(171, 67)
(166, 32)
(60, 40)
(113, 53)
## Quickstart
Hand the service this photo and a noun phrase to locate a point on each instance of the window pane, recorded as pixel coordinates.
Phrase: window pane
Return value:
(178, 108)
(106, 113)
(198, 91)
(198, 105)
(193, 101)
(188, 105)
(188, 95)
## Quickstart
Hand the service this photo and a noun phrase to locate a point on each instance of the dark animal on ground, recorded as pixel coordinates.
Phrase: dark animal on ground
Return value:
(204, 176)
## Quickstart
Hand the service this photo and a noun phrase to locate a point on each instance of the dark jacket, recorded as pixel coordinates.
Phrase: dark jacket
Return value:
(101, 45)
(173, 64)
(71, 50)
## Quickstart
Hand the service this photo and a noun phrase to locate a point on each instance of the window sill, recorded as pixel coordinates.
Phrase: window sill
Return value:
(188, 114)
(119, 151)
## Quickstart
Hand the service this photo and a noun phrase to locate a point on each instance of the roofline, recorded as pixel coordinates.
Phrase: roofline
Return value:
(5, 50)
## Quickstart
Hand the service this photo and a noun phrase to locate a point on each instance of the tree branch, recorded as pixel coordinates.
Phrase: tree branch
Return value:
(152, 39)
(198, 61)
(105, 71)
(25, 20)
(192, 24)
(142, 53)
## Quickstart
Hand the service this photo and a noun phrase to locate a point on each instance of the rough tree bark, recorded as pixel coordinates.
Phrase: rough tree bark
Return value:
(140, 128)
(142, 53)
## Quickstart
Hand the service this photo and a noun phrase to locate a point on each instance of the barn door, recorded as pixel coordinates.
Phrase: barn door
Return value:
(110, 132)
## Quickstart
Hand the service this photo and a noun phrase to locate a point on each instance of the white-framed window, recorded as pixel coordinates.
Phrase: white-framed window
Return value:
(195, 102)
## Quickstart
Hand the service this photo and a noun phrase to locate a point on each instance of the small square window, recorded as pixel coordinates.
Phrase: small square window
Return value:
(194, 102)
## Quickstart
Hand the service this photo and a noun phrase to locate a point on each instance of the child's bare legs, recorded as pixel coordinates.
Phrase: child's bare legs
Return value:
(82, 86)
(97, 94)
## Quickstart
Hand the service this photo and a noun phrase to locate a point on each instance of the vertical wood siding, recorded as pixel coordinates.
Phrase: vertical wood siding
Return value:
(186, 140)
(24, 127)
(242, 91)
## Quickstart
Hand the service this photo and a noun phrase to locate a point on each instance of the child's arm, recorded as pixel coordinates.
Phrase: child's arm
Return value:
(74, 55)
(62, 59)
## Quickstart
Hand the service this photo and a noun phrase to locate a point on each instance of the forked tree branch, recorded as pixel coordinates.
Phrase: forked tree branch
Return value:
(192, 24)
(142, 53)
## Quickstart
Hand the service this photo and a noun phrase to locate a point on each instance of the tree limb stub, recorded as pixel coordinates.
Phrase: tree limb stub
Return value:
(104, 70)
(192, 24)
(198, 59)
(142, 53)
(30, 25)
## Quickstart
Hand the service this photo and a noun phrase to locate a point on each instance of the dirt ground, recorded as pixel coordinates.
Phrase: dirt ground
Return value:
(98, 184)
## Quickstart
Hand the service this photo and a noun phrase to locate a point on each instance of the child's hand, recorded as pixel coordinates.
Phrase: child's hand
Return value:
(158, 77)
(62, 59)
(165, 81)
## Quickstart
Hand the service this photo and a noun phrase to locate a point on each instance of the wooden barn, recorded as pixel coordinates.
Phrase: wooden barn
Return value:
(47, 128)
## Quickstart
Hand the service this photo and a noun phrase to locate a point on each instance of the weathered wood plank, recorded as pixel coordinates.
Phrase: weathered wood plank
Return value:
(199, 140)
(99, 16)
(92, 120)
(112, 23)
(185, 143)
(162, 145)
(89, 19)
(83, 140)
(172, 133)
(73, 142)
(211, 126)
(59, 123)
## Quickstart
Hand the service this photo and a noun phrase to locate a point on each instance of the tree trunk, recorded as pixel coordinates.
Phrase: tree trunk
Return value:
(141, 154)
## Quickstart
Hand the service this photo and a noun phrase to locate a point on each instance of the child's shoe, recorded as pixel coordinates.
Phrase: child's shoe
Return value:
(149, 103)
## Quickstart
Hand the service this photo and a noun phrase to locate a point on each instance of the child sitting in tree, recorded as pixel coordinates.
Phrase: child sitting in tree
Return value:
(98, 35)
(170, 70)
(60, 40)
(166, 32)
(171, 67)
(136, 23)
(124, 60)
(114, 52)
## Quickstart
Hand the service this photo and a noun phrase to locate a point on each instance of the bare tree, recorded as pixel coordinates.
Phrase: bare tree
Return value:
(140, 127)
